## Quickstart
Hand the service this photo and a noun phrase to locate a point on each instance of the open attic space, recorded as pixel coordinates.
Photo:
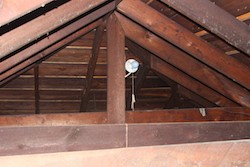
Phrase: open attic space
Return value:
(62, 69)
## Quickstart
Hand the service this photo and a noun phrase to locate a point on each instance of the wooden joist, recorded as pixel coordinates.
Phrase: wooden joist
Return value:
(225, 26)
(116, 74)
(186, 40)
(47, 139)
(229, 153)
(185, 62)
(42, 25)
(37, 91)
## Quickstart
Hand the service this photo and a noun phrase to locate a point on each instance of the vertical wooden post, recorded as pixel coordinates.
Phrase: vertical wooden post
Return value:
(116, 71)
(37, 94)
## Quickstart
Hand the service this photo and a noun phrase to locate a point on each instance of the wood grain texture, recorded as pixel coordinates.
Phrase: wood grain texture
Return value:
(48, 139)
(233, 153)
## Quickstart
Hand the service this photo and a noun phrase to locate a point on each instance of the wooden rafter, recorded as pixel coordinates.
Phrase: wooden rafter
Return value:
(116, 73)
(184, 62)
(225, 26)
(179, 77)
(53, 38)
(11, 9)
(185, 40)
(31, 140)
(91, 67)
(194, 97)
(191, 84)
(42, 25)
(29, 63)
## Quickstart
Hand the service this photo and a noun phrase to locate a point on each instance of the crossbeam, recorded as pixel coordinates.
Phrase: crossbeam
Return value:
(46, 139)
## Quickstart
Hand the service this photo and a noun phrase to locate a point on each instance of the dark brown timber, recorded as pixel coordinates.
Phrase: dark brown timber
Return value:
(149, 116)
(116, 72)
(191, 84)
(53, 38)
(47, 139)
(29, 63)
(185, 62)
(44, 24)
(225, 26)
(186, 40)
(91, 67)
(182, 78)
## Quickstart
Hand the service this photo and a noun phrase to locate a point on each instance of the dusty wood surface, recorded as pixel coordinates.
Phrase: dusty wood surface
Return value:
(43, 24)
(233, 153)
(11, 10)
(47, 139)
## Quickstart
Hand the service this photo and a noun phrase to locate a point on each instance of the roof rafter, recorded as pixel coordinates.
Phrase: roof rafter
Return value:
(12, 9)
(178, 76)
(44, 24)
(206, 14)
(29, 63)
(184, 62)
(184, 39)
(186, 81)
(53, 38)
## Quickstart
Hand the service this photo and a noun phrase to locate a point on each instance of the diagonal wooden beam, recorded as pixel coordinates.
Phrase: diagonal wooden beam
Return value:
(91, 67)
(178, 76)
(225, 26)
(44, 24)
(36, 91)
(191, 84)
(185, 62)
(11, 9)
(116, 71)
(53, 38)
(194, 97)
(29, 63)
(186, 40)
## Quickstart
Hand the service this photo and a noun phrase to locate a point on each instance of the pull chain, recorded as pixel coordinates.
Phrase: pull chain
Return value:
(133, 93)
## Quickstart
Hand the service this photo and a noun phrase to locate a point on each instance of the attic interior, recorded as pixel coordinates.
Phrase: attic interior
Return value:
(63, 68)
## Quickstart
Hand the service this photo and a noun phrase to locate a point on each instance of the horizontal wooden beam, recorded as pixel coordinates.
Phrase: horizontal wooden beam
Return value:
(186, 40)
(11, 9)
(206, 14)
(42, 25)
(47, 139)
(29, 63)
(227, 153)
(149, 116)
(53, 38)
